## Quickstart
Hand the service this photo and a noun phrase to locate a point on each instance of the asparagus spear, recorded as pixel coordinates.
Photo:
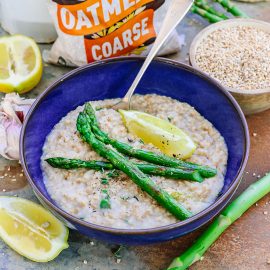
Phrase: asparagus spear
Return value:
(234, 10)
(212, 18)
(148, 156)
(151, 169)
(69, 164)
(204, 5)
(230, 214)
(123, 164)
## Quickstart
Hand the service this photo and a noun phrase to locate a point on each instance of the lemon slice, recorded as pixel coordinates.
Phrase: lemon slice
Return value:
(168, 138)
(20, 64)
(31, 230)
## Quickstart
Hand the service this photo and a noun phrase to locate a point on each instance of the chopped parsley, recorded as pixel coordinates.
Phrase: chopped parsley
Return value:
(118, 252)
(126, 197)
(105, 201)
(104, 181)
(169, 118)
(141, 141)
(113, 174)
(104, 204)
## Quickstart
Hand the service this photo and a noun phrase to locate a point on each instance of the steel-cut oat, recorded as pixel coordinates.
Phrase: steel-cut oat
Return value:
(79, 191)
(238, 56)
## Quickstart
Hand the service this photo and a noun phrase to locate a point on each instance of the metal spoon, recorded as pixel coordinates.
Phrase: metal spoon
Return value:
(176, 12)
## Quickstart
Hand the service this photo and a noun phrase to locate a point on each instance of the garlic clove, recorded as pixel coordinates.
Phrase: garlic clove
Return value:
(3, 142)
(13, 140)
(13, 110)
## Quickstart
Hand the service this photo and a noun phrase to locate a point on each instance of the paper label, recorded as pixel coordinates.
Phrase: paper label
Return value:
(109, 28)
(125, 39)
(92, 16)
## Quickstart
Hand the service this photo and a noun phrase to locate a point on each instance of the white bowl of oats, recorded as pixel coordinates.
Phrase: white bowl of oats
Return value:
(236, 52)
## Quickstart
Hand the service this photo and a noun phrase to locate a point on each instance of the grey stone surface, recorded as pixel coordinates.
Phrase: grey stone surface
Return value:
(85, 253)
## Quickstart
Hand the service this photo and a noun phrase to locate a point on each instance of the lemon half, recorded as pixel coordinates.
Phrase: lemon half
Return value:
(20, 64)
(171, 140)
(31, 230)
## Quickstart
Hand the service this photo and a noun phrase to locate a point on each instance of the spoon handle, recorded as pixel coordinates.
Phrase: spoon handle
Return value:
(175, 13)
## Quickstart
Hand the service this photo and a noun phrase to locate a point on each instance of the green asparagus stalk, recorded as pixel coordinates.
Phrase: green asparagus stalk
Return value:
(148, 156)
(212, 18)
(151, 169)
(131, 170)
(204, 5)
(230, 214)
(234, 10)
(70, 164)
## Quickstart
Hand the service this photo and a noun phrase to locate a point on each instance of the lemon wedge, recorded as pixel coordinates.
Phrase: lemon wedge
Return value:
(31, 230)
(20, 64)
(168, 138)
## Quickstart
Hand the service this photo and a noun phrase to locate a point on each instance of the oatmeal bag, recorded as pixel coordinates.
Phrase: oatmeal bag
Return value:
(91, 30)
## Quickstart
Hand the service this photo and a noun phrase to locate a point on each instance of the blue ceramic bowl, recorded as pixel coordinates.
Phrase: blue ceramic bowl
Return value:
(110, 79)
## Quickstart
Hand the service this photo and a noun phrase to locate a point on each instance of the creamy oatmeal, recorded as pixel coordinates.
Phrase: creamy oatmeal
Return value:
(79, 191)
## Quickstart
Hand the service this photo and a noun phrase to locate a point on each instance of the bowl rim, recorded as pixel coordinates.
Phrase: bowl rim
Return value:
(224, 24)
(236, 181)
